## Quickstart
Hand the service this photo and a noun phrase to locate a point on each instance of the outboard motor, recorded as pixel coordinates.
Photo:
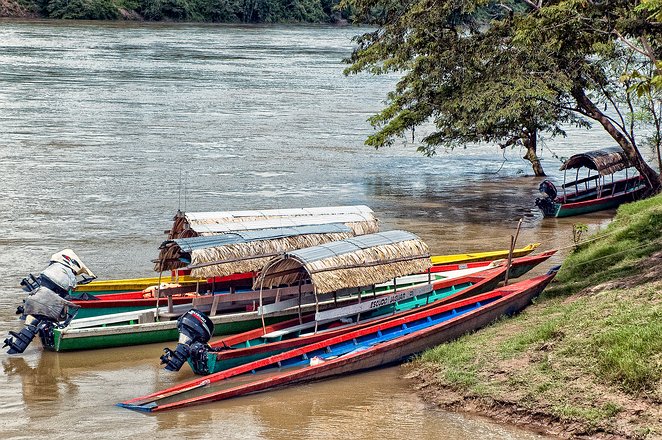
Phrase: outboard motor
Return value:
(549, 193)
(43, 310)
(46, 306)
(548, 188)
(195, 330)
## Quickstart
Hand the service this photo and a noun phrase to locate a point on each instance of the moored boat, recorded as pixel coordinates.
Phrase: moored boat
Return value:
(485, 256)
(370, 347)
(409, 255)
(255, 344)
(106, 304)
(593, 192)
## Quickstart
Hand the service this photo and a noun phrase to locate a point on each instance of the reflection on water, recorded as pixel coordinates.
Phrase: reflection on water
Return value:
(97, 121)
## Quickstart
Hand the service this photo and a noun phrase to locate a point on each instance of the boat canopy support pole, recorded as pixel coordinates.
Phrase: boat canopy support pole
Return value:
(317, 308)
(299, 304)
(358, 292)
(565, 172)
(158, 293)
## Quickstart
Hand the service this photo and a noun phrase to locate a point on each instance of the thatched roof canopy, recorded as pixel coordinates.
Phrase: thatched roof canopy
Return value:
(193, 224)
(243, 251)
(358, 261)
(605, 161)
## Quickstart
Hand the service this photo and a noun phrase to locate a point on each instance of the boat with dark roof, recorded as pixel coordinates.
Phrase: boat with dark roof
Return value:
(595, 192)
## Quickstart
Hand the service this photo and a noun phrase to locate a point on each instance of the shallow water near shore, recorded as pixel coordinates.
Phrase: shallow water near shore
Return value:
(98, 122)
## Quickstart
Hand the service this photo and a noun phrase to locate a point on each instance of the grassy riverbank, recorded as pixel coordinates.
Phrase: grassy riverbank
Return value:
(586, 359)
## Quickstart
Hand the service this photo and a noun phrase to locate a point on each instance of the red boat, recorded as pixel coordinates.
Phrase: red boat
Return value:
(374, 346)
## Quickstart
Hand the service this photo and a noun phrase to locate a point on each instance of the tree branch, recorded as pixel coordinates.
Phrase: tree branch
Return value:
(630, 45)
(534, 5)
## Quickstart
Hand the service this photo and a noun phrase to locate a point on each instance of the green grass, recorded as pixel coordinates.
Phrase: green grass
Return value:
(585, 360)
(616, 251)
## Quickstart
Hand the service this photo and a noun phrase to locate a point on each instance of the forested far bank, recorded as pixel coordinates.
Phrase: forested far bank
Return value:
(220, 11)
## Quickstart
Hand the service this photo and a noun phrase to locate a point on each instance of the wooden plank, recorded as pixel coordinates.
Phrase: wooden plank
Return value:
(146, 317)
(214, 305)
(253, 295)
(280, 305)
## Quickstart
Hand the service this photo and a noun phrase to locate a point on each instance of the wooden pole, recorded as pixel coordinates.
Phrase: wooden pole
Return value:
(513, 240)
(510, 259)
(158, 292)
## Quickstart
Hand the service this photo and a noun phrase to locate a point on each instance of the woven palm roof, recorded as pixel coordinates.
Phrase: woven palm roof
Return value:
(605, 161)
(359, 261)
(192, 224)
(243, 251)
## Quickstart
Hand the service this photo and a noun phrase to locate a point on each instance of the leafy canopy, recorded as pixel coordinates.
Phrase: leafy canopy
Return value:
(482, 70)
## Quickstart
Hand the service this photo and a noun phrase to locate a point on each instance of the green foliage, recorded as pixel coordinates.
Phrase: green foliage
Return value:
(82, 9)
(488, 71)
(221, 11)
(578, 230)
(248, 11)
(653, 7)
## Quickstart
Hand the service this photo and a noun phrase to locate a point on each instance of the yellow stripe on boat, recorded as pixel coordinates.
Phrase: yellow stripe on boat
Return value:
(131, 284)
(482, 256)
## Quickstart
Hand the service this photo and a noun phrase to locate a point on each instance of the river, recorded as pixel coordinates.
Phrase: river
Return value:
(98, 121)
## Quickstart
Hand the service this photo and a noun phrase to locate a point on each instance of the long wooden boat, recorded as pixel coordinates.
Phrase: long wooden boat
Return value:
(593, 192)
(482, 256)
(408, 254)
(440, 263)
(374, 346)
(238, 315)
(124, 302)
(133, 284)
(98, 304)
(256, 344)
(259, 343)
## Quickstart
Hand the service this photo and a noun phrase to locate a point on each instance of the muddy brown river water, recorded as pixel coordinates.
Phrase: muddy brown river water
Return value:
(98, 120)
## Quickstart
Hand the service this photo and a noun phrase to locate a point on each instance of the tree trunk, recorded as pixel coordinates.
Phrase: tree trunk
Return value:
(531, 144)
(652, 178)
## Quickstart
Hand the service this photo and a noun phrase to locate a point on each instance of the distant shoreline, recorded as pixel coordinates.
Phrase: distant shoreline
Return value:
(177, 11)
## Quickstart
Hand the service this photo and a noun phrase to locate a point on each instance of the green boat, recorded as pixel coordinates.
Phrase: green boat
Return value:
(262, 342)
(593, 192)
(258, 344)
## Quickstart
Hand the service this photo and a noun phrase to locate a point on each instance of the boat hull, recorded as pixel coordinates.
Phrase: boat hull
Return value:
(251, 347)
(560, 208)
(481, 256)
(93, 339)
(368, 355)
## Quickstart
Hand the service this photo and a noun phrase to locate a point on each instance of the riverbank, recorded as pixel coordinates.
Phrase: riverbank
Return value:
(209, 11)
(586, 359)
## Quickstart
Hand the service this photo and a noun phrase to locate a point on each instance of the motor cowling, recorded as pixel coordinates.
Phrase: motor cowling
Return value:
(195, 328)
(548, 188)
(546, 202)
(46, 306)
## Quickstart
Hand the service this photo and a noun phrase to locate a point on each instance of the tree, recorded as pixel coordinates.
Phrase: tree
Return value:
(504, 71)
